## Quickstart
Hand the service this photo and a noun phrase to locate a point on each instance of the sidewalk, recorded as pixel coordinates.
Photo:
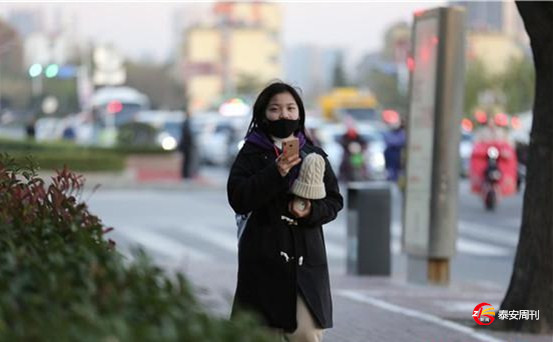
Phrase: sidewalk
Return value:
(381, 308)
(390, 309)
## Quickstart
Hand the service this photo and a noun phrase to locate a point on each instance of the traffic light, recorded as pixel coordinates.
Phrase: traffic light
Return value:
(52, 70)
(35, 70)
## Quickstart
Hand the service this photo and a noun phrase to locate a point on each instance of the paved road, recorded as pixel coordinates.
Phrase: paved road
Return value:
(198, 225)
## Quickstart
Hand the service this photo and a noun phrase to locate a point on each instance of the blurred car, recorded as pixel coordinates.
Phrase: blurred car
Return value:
(48, 129)
(219, 137)
(168, 125)
(329, 136)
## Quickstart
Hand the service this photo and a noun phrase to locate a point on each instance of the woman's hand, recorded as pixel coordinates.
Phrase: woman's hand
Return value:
(299, 207)
(285, 164)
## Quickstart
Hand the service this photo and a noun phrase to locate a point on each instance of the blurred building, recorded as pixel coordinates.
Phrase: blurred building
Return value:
(391, 60)
(237, 51)
(44, 48)
(496, 33)
(494, 50)
(494, 16)
(311, 68)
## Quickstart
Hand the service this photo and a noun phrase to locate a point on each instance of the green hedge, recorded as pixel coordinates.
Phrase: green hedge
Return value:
(81, 161)
(8, 145)
(54, 155)
(61, 279)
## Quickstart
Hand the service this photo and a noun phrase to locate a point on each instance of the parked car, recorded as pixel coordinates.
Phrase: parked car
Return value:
(219, 137)
(168, 125)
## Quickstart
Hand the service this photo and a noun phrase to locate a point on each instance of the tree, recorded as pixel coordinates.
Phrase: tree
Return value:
(156, 81)
(248, 84)
(339, 78)
(476, 82)
(517, 85)
(385, 87)
(15, 87)
(531, 282)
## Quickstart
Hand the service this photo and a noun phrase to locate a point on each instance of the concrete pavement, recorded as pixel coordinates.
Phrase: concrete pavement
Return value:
(370, 308)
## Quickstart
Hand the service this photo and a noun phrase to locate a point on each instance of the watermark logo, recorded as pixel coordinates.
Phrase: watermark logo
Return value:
(483, 314)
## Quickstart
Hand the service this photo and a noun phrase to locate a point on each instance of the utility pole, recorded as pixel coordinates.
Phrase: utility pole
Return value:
(433, 135)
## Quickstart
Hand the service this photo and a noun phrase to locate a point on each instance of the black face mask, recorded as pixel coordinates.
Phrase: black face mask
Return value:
(281, 128)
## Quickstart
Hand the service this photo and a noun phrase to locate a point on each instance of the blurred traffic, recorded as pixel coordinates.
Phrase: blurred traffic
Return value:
(57, 86)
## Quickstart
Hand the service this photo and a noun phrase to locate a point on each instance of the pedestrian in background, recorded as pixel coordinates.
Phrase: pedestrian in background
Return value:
(282, 263)
(188, 148)
(353, 166)
(395, 140)
(30, 128)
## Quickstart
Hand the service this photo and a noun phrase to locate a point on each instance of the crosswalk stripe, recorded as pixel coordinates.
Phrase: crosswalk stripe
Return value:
(224, 239)
(490, 233)
(227, 241)
(468, 246)
(165, 246)
(464, 245)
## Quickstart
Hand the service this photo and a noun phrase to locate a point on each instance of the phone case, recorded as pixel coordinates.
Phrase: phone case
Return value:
(291, 147)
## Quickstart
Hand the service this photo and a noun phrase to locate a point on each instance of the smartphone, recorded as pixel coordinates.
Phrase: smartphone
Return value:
(291, 147)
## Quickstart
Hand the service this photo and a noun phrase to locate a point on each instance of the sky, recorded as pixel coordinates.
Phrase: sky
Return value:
(148, 29)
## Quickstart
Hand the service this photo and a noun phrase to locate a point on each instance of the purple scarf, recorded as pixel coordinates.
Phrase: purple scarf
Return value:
(260, 139)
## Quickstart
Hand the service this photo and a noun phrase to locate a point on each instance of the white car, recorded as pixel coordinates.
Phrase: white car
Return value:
(218, 137)
(168, 125)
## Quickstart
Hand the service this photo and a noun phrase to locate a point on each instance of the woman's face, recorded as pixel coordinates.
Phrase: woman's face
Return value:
(282, 106)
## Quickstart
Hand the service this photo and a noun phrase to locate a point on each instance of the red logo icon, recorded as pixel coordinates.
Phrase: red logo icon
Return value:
(483, 316)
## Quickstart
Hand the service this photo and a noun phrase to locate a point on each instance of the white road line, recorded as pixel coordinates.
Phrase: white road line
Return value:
(226, 240)
(158, 243)
(474, 230)
(468, 246)
(463, 245)
(459, 306)
(489, 233)
(358, 297)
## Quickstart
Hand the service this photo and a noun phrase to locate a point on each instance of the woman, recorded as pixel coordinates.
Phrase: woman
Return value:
(282, 264)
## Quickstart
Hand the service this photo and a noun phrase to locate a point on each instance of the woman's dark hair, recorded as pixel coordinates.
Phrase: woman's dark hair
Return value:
(262, 101)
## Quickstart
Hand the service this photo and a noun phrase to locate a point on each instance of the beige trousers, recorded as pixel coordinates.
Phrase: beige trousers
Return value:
(307, 330)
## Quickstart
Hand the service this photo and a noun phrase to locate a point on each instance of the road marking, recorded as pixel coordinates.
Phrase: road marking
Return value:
(458, 306)
(490, 233)
(223, 239)
(463, 245)
(358, 297)
(472, 247)
(156, 242)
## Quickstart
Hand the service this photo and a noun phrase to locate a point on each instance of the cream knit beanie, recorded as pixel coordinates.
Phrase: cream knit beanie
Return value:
(309, 183)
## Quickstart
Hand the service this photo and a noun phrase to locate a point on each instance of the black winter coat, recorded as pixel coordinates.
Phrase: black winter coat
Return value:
(271, 250)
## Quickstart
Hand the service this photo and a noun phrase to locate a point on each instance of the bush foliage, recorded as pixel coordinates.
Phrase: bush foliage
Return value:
(61, 280)
(56, 155)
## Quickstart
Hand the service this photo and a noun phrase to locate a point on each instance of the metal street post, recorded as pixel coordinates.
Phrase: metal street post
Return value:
(433, 135)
